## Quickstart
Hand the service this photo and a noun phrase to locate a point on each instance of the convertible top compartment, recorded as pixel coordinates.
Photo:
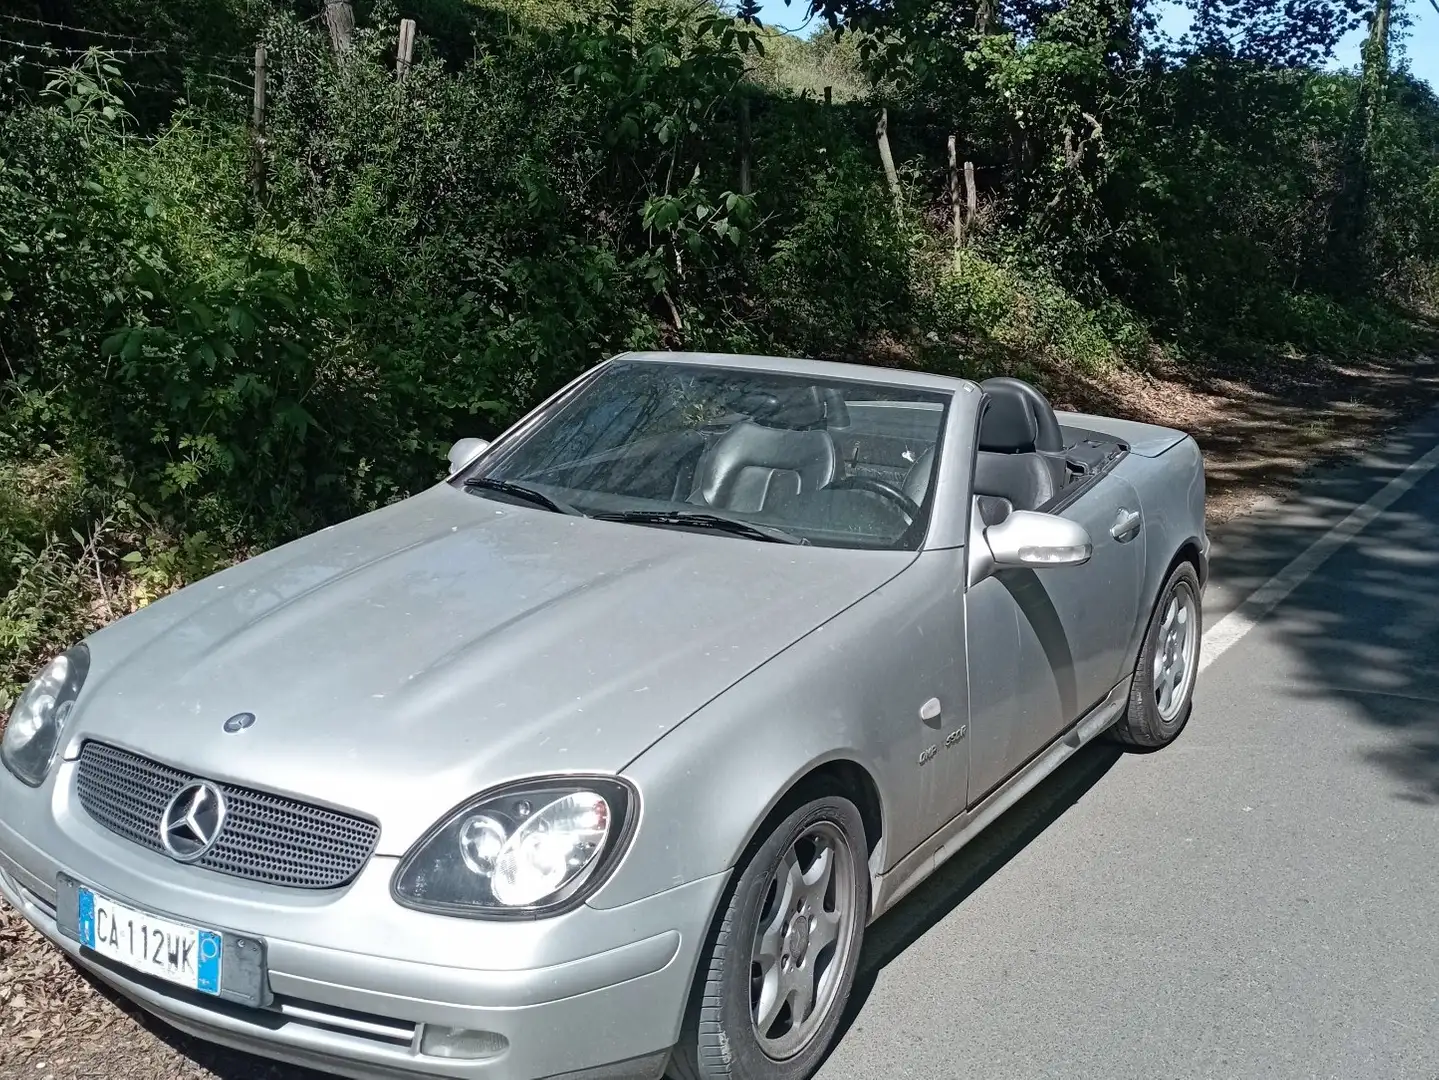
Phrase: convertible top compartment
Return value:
(1145, 440)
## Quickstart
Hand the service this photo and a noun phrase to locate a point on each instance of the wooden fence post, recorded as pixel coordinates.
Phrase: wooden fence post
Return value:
(340, 21)
(971, 193)
(406, 48)
(829, 95)
(882, 135)
(956, 221)
(257, 162)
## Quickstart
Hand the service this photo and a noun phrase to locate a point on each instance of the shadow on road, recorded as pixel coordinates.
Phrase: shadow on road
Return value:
(1365, 627)
(975, 864)
(1368, 631)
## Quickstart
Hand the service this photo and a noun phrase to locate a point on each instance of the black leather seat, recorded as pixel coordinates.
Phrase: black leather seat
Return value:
(788, 452)
(1021, 448)
(752, 466)
(916, 481)
(1008, 466)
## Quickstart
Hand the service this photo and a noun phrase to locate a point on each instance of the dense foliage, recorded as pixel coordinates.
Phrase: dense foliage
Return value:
(212, 341)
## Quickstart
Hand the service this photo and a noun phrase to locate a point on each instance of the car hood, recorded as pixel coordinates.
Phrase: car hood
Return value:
(407, 659)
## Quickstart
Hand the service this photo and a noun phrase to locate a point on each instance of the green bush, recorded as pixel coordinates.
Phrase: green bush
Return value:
(1025, 313)
(841, 273)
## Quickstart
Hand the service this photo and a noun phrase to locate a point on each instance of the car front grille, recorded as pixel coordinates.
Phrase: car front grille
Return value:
(265, 837)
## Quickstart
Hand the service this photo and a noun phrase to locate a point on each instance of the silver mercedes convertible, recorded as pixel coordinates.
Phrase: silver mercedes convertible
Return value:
(597, 758)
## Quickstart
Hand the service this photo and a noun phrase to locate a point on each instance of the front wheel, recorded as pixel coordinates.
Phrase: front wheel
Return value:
(777, 971)
(1162, 694)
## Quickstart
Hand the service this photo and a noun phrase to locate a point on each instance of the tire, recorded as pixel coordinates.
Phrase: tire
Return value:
(720, 1038)
(1161, 696)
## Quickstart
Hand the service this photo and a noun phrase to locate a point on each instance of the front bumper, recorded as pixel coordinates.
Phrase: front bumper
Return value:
(356, 979)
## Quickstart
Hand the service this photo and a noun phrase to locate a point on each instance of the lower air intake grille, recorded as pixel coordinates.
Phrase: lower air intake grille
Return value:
(265, 837)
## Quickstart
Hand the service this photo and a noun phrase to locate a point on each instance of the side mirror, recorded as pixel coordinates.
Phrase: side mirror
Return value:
(464, 452)
(1036, 541)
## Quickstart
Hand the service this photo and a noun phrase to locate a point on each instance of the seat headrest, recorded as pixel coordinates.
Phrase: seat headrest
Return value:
(1008, 425)
(1047, 436)
(800, 408)
(755, 402)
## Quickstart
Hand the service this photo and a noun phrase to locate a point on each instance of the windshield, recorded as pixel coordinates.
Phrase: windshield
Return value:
(751, 453)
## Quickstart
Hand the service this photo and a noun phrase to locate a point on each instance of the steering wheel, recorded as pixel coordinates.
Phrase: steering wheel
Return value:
(906, 506)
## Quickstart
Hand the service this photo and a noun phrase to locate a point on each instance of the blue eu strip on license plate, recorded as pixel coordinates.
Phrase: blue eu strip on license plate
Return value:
(175, 952)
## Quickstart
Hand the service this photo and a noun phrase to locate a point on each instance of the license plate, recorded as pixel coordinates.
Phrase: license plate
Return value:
(176, 952)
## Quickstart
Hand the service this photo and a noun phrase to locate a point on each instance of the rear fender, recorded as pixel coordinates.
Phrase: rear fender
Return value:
(1171, 496)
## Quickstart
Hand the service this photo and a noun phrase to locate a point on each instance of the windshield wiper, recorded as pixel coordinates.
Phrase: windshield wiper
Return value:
(520, 491)
(698, 519)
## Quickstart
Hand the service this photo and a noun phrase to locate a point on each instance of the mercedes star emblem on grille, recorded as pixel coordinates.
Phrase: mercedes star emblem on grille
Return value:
(192, 821)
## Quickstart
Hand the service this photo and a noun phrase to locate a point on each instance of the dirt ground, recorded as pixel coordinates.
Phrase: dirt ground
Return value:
(1261, 432)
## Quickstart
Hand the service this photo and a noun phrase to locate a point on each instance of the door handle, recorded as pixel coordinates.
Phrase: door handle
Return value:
(1126, 526)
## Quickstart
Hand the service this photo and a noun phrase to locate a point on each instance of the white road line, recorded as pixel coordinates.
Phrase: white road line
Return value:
(1222, 635)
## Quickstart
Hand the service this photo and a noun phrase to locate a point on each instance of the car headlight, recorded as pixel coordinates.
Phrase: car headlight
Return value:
(534, 848)
(38, 719)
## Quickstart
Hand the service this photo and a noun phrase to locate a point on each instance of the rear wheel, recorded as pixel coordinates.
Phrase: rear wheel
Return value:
(778, 968)
(1161, 696)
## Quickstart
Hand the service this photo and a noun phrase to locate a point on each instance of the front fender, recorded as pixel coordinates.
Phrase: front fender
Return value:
(848, 691)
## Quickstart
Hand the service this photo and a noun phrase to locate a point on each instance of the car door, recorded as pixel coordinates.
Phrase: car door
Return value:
(1047, 645)
(1015, 704)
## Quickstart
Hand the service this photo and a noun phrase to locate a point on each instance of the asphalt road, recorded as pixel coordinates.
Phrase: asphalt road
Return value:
(1261, 898)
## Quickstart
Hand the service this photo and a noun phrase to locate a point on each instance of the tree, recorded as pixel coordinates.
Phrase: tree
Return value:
(1349, 252)
(1277, 32)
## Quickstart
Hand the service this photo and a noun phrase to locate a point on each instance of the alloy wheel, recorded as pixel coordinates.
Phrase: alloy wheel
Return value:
(802, 942)
(1175, 653)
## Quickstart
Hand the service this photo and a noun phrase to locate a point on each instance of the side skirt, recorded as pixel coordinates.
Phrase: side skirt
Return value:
(888, 888)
